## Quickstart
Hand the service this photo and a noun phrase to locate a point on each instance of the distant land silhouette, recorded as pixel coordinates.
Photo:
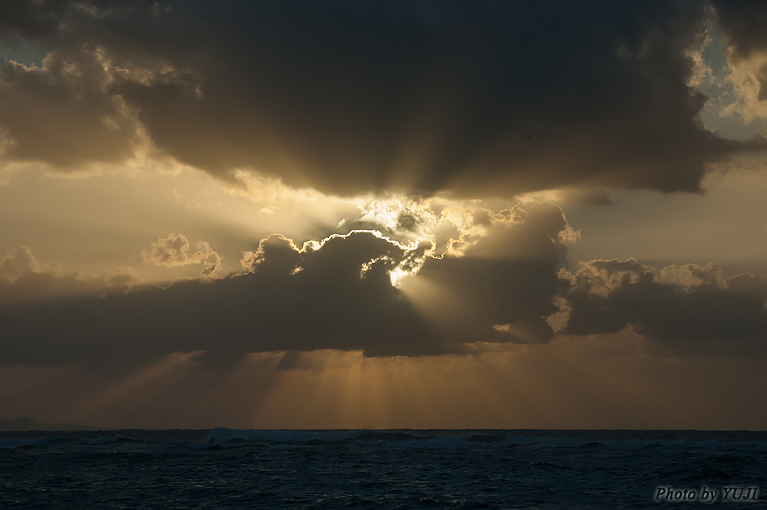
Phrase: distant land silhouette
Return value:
(28, 424)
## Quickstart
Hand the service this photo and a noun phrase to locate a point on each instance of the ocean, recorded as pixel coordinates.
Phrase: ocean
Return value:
(383, 469)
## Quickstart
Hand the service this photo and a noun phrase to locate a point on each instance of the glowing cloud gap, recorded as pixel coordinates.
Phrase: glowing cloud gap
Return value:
(409, 264)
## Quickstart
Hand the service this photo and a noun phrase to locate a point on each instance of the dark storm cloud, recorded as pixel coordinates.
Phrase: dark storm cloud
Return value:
(689, 309)
(474, 97)
(63, 112)
(743, 24)
(63, 115)
(337, 295)
(31, 19)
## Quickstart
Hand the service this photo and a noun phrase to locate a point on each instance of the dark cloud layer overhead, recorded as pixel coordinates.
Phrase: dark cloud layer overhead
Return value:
(742, 22)
(31, 19)
(477, 98)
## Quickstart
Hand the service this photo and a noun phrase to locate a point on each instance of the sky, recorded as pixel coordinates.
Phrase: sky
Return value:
(384, 214)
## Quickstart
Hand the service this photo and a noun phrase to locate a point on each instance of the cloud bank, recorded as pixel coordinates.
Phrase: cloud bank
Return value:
(688, 310)
(24, 279)
(504, 283)
(339, 293)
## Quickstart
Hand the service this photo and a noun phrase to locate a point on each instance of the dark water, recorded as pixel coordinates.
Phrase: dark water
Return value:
(396, 469)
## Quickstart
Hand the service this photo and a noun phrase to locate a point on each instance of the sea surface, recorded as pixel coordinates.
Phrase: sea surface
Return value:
(383, 469)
